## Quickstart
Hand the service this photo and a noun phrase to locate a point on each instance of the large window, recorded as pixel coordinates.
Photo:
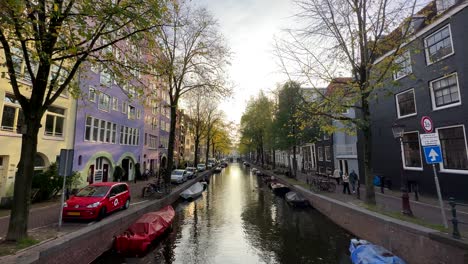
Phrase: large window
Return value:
(115, 104)
(99, 130)
(92, 94)
(105, 78)
(320, 153)
(327, 153)
(403, 66)
(454, 151)
(104, 102)
(445, 92)
(129, 136)
(438, 45)
(12, 116)
(153, 142)
(55, 120)
(406, 103)
(411, 151)
(131, 112)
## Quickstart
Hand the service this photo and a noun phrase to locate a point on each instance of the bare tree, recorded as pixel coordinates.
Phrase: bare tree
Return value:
(213, 117)
(196, 114)
(345, 38)
(47, 41)
(193, 57)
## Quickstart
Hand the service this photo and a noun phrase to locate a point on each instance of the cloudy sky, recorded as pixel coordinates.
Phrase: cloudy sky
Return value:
(249, 27)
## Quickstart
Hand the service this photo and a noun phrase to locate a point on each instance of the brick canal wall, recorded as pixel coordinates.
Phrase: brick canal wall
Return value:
(415, 244)
(88, 243)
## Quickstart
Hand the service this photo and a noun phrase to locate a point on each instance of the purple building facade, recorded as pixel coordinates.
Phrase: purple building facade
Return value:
(109, 127)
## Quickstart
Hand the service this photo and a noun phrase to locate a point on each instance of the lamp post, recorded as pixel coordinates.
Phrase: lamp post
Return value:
(398, 131)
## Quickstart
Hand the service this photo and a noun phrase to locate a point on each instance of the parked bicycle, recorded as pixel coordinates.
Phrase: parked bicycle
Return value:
(322, 184)
(147, 174)
(155, 188)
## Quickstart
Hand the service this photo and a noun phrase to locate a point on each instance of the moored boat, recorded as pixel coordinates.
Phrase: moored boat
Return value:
(193, 191)
(364, 252)
(279, 189)
(139, 235)
(296, 199)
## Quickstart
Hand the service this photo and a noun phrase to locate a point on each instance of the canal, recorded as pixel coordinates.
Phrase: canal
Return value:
(239, 220)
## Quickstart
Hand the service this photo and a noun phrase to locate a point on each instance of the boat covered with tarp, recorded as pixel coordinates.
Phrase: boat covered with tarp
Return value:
(364, 252)
(296, 199)
(193, 191)
(136, 239)
(279, 188)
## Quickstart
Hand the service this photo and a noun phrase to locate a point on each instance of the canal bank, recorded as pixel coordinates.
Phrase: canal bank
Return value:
(86, 244)
(415, 244)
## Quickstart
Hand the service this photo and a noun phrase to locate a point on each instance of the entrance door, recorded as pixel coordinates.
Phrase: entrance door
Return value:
(125, 167)
(344, 166)
(105, 172)
(101, 172)
(91, 174)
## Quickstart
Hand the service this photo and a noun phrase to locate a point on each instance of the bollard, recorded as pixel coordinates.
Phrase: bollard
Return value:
(456, 232)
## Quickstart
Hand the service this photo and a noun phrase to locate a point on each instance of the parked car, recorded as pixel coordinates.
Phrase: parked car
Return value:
(97, 200)
(210, 165)
(191, 172)
(178, 176)
(201, 167)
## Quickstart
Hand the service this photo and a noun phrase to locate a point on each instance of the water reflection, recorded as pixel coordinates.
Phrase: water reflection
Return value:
(238, 220)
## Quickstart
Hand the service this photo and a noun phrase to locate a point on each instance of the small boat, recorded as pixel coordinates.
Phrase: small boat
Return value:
(364, 252)
(218, 169)
(279, 189)
(139, 235)
(204, 184)
(296, 199)
(192, 192)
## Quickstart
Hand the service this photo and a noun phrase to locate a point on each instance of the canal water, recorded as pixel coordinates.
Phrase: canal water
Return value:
(239, 220)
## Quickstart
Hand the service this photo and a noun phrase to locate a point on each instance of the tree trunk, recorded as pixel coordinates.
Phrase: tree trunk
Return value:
(170, 147)
(370, 192)
(19, 216)
(197, 146)
(294, 162)
(207, 154)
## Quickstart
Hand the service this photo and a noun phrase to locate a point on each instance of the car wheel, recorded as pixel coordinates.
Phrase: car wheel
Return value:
(102, 213)
(127, 204)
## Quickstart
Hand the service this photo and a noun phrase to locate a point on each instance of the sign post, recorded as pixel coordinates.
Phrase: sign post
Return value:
(433, 154)
(65, 169)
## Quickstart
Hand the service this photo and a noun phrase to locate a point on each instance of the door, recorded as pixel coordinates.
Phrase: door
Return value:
(91, 174)
(125, 167)
(105, 172)
(114, 202)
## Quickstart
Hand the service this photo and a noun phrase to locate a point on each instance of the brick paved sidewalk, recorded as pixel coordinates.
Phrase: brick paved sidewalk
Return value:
(426, 209)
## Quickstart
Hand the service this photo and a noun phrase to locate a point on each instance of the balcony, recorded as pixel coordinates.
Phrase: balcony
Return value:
(346, 150)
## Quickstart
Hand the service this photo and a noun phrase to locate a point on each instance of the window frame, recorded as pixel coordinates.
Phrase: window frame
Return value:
(426, 49)
(433, 99)
(454, 171)
(320, 153)
(399, 116)
(55, 116)
(109, 102)
(402, 153)
(329, 158)
(115, 103)
(395, 73)
(92, 88)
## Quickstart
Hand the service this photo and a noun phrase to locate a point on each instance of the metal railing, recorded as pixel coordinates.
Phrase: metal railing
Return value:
(456, 232)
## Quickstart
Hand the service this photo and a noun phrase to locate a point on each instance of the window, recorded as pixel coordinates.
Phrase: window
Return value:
(92, 94)
(154, 109)
(115, 104)
(131, 112)
(438, 45)
(154, 123)
(12, 117)
(55, 119)
(406, 104)
(129, 136)
(411, 151)
(403, 66)
(443, 5)
(124, 107)
(104, 102)
(105, 78)
(99, 130)
(445, 92)
(326, 137)
(138, 113)
(327, 153)
(454, 151)
(320, 153)
(153, 142)
(321, 170)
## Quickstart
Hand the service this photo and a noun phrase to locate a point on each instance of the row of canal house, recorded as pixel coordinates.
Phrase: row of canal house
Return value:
(431, 80)
(108, 125)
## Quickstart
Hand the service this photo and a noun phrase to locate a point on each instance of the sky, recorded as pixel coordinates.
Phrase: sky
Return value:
(249, 27)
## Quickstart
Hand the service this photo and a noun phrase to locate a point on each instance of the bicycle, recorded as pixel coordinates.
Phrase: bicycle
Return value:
(320, 184)
(147, 174)
(153, 188)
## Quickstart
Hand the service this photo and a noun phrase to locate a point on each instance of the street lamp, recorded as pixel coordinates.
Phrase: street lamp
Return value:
(398, 131)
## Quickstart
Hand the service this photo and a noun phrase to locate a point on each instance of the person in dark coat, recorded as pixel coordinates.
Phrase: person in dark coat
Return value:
(353, 179)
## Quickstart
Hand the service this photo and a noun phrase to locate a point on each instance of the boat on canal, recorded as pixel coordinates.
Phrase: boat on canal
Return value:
(295, 199)
(192, 192)
(279, 189)
(364, 252)
(136, 239)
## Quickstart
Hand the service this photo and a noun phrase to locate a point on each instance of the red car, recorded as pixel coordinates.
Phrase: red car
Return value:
(96, 200)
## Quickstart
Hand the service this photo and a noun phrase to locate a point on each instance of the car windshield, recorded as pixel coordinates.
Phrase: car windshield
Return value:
(201, 165)
(190, 169)
(178, 172)
(93, 191)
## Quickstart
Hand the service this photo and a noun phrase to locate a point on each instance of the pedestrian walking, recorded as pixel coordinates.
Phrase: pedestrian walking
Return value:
(337, 174)
(353, 178)
(346, 184)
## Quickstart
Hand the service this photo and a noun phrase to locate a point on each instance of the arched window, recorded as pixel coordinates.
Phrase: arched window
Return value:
(40, 163)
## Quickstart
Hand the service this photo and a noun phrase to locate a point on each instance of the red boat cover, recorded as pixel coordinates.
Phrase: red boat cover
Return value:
(140, 234)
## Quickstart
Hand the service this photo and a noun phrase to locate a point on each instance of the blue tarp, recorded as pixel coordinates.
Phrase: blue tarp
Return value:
(363, 252)
(376, 180)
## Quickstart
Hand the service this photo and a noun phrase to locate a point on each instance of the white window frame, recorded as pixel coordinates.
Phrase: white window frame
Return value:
(100, 107)
(102, 81)
(115, 103)
(442, 169)
(434, 107)
(402, 153)
(90, 91)
(124, 107)
(398, 105)
(426, 50)
(320, 153)
(406, 56)
(329, 153)
(55, 115)
(17, 107)
(130, 115)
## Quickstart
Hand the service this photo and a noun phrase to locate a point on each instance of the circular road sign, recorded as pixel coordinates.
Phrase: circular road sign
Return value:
(427, 124)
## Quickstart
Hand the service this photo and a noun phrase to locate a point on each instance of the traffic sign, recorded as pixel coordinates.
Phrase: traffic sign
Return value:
(427, 124)
(430, 139)
(433, 154)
